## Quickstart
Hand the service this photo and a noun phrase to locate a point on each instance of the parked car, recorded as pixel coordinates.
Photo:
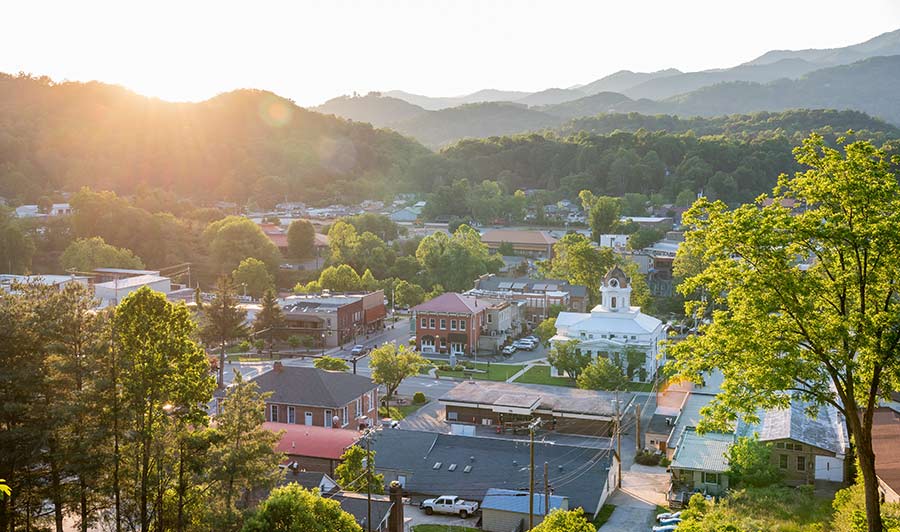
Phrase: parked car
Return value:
(524, 344)
(358, 350)
(672, 521)
(533, 339)
(668, 515)
(665, 528)
(509, 350)
(449, 504)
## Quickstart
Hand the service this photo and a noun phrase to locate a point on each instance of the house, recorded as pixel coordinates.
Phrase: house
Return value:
(113, 292)
(526, 243)
(504, 510)
(105, 275)
(615, 330)
(659, 429)
(688, 399)
(653, 222)
(8, 282)
(357, 505)
(885, 435)
(315, 397)
(312, 448)
(616, 242)
(334, 319)
(307, 479)
(805, 449)
(450, 323)
(700, 464)
(277, 234)
(429, 464)
(406, 215)
(539, 295)
(33, 211)
(501, 319)
(565, 410)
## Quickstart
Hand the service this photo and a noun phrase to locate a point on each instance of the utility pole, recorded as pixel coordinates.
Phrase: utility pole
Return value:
(533, 425)
(368, 484)
(546, 489)
(637, 418)
(618, 442)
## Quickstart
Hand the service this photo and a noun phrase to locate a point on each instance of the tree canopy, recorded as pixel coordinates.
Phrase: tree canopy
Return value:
(86, 254)
(294, 509)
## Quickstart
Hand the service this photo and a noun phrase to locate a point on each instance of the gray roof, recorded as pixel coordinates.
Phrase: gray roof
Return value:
(703, 453)
(517, 501)
(493, 282)
(690, 416)
(306, 479)
(356, 504)
(312, 387)
(661, 424)
(827, 431)
(578, 473)
(558, 399)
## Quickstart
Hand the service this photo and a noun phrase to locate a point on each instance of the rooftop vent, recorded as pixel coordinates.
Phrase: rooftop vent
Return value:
(437, 465)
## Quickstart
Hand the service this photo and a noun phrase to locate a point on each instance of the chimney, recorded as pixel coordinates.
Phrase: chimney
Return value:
(395, 520)
(277, 365)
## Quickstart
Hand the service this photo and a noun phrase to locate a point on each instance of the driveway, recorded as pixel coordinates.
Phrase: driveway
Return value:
(416, 516)
(429, 418)
(643, 488)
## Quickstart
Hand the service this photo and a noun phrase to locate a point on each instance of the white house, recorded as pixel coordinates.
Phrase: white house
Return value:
(33, 211)
(614, 328)
(113, 292)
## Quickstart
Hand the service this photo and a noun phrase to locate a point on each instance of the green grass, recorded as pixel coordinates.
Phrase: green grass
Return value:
(541, 375)
(493, 372)
(775, 509)
(399, 412)
(443, 528)
(639, 386)
(603, 515)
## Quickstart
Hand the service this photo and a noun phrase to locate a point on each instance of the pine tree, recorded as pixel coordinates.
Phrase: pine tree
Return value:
(223, 321)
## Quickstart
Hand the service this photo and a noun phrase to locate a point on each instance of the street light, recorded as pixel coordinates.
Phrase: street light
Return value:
(323, 344)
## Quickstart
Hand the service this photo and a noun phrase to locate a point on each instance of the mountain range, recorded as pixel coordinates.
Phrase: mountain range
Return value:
(858, 77)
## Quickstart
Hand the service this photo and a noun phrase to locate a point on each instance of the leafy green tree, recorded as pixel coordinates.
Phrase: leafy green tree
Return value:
(355, 473)
(367, 281)
(16, 247)
(235, 238)
(565, 521)
(331, 364)
(342, 242)
(254, 276)
(86, 254)
(223, 321)
(568, 357)
(827, 330)
(634, 204)
(601, 374)
(301, 236)
(294, 509)
(242, 455)
(408, 295)
(377, 224)
(391, 364)
(685, 198)
(546, 330)
(464, 250)
(165, 378)
(750, 464)
(406, 268)
(579, 262)
(270, 315)
(644, 237)
(341, 278)
(602, 212)
(506, 249)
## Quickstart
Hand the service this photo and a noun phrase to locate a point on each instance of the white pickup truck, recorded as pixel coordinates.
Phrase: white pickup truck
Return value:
(449, 504)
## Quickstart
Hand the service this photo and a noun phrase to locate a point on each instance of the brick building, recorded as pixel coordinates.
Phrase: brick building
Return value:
(314, 397)
(449, 323)
(526, 243)
(335, 319)
(538, 294)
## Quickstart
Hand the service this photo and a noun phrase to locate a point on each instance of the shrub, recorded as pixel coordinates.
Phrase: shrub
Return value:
(664, 462)
(419, 398)
(244, 346)
(647, 458)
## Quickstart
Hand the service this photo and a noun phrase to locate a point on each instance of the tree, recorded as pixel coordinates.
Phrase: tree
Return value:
(294, 509)
(601, 374)
(391, 364)
(408, 295)
(354, 471)
(827, 331)
(368, 282)
(644, 237)
(464, 250)
(749, 463)
(342, 242)
(602, 211)
(242, 454)
(254, 276)
(301, 237)
(506, 249)
(223, 321)
(567, 357)
(331, 364)
(579, 262)
(165, 379)
(16, 247)
(565, 521)
(270, 315)
(342, 278)
(235, 238)
(86, 254)
(546, 330)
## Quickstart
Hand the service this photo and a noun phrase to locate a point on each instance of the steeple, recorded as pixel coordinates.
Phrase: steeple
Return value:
(615, 291)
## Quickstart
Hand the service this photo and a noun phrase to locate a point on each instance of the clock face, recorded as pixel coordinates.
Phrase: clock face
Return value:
(614, 283)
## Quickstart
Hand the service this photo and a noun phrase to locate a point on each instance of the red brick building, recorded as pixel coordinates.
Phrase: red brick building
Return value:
(449, 323)
(335, 319)
(313, 448)
(314, 397)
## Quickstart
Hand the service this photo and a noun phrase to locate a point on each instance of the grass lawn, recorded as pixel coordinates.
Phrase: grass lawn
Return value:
(541, 375)
(775, 509)
(399, 412)
(603, 515)
(494, 372)
(443, 528)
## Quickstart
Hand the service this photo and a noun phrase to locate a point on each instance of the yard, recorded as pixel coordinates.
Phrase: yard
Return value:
(541, 375)
(491, 372)
(399, 412)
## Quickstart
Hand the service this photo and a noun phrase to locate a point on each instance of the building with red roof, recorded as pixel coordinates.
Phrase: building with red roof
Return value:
(311, 447)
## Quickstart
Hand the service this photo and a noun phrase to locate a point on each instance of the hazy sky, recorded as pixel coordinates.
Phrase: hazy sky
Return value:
(311, 51)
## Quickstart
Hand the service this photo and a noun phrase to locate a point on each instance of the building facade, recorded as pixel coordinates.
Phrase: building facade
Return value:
(538, 244)
(334, 319)
(450, 323)
(539, 295)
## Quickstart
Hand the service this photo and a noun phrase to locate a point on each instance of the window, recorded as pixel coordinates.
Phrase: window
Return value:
(452, 325)
(782, 461)
(402, 480)
(273, 413)
(291, 416)
(583, 334)
(487, 421)
(462, 325)
(490, 318)
(591, 336)
(633, 337)
(801, 463)
(443, 342)
(613, 303)
(359, 407)
(344, 415)
(424, 323)
(431, 323)
(710, 478)
(371, 400)
(452, 416)
(779, 445)
(443, 324)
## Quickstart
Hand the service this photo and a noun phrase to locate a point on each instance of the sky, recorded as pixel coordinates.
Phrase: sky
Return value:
(310, 51)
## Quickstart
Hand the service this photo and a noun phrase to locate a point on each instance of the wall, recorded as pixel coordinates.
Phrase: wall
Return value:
(588, 427)
(503, 521)
(369, 410)
(792, 475)
(471, 334)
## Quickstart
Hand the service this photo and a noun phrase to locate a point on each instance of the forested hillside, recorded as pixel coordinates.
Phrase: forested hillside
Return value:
(66, 135)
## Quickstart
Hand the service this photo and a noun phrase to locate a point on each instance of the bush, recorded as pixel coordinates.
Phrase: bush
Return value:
(647, 458)
(419, 398)
(244, 346)
(664, 462)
